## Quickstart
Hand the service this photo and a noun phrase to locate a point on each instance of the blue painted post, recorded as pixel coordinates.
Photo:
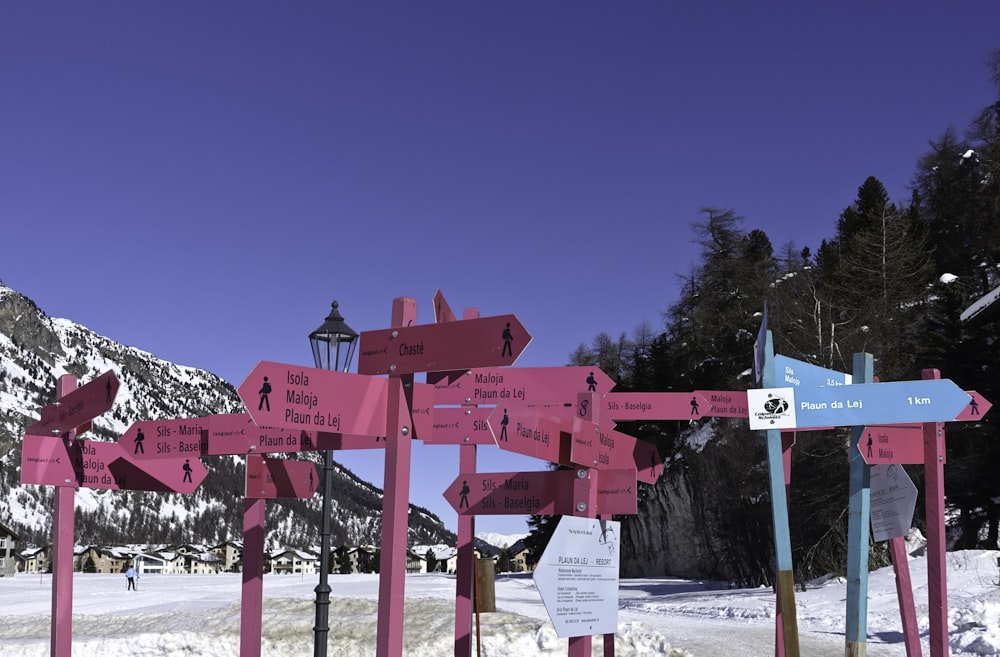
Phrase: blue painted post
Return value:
(858, 524)
(779, 512)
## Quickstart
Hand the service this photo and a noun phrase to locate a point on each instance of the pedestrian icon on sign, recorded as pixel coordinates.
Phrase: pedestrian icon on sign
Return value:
(591, 383)
(463, 495)
(508, 338)
(139, 437)
(187, 471)
(974, 406)
(265, 390)
(503, 426)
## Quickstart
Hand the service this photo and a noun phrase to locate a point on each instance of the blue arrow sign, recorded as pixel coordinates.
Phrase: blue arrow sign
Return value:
(799, 374)
(897, 402)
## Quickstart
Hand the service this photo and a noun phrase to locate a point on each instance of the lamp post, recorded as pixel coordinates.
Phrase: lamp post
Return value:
(333, 346)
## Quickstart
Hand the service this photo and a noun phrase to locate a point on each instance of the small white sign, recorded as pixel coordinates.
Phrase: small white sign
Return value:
(771, 408)
(893, 498)
(577, 577)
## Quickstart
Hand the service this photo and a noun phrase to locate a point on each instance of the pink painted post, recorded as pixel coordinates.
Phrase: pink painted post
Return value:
(395, 504)
(937, 589)
(61, 638)
(585, 502)
(904, 593)
(252, 606)
(465, 569)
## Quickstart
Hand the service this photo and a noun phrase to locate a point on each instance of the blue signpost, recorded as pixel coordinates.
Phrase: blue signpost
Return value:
(859, 514)
(799, 374)
(898, 402)
(789, 629)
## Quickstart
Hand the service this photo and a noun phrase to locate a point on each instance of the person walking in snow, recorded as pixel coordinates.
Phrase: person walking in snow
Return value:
(130, 575)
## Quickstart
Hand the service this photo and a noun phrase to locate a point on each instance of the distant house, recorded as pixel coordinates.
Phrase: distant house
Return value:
(105, 560)
(415, 563)
(294, 562)
(230, 556)
(34, 560)
(8, 557)
(519, 562)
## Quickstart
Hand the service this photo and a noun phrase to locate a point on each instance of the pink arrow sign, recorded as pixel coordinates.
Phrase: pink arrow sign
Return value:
(512, 493)
(107, 466)
(724, 403)
(78, 407)
(455, 426)
(625, 406)
(237, 434)
(892, 443)
(467, 343)
(278, 395)
(165, 439)
(597, 447)
(269, 478)
(522, 385)
(528, 430)
(538, 493)
(977, 408)
(48, 461)
(616, 492)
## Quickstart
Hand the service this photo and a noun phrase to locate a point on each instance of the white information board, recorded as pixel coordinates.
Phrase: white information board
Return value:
(577, 577)
(893, 498)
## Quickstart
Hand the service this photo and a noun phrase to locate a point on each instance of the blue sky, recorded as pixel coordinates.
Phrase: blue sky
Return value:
(202, 179)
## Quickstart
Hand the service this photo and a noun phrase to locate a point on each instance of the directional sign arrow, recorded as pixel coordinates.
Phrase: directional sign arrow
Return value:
(269, 478)
(723, 403)
(166, 439)
(597, 447)
(892, 443)
(537, 493)
(108, 466)
(279, 395)
(238, 434)
(512, 493)
(48, 460)
(528, 430)
(467, 343)
(897, 402)
(455, 426)
(626, 406)
(522, 385)
(78, 407)
(799, 374)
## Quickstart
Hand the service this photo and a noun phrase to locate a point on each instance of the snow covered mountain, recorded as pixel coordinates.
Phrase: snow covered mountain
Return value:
(36, 349)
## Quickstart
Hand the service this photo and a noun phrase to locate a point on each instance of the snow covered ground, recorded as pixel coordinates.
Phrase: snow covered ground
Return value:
(172, 615)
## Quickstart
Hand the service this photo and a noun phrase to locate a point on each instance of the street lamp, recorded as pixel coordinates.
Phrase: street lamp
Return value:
(333, 346)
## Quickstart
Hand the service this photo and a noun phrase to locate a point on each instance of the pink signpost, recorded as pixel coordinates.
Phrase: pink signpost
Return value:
(271, 478)
(48, 461)
(61, 623)
(291, 396)
(237, 434)
(483, 342)
(528, 430)
(78, 407)
(892, 443)
(108, 466)
(724, 403)
(623, 406)
(395, 502)
(454, 426)
(166, 439)
(524, 385)
(596, 447)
